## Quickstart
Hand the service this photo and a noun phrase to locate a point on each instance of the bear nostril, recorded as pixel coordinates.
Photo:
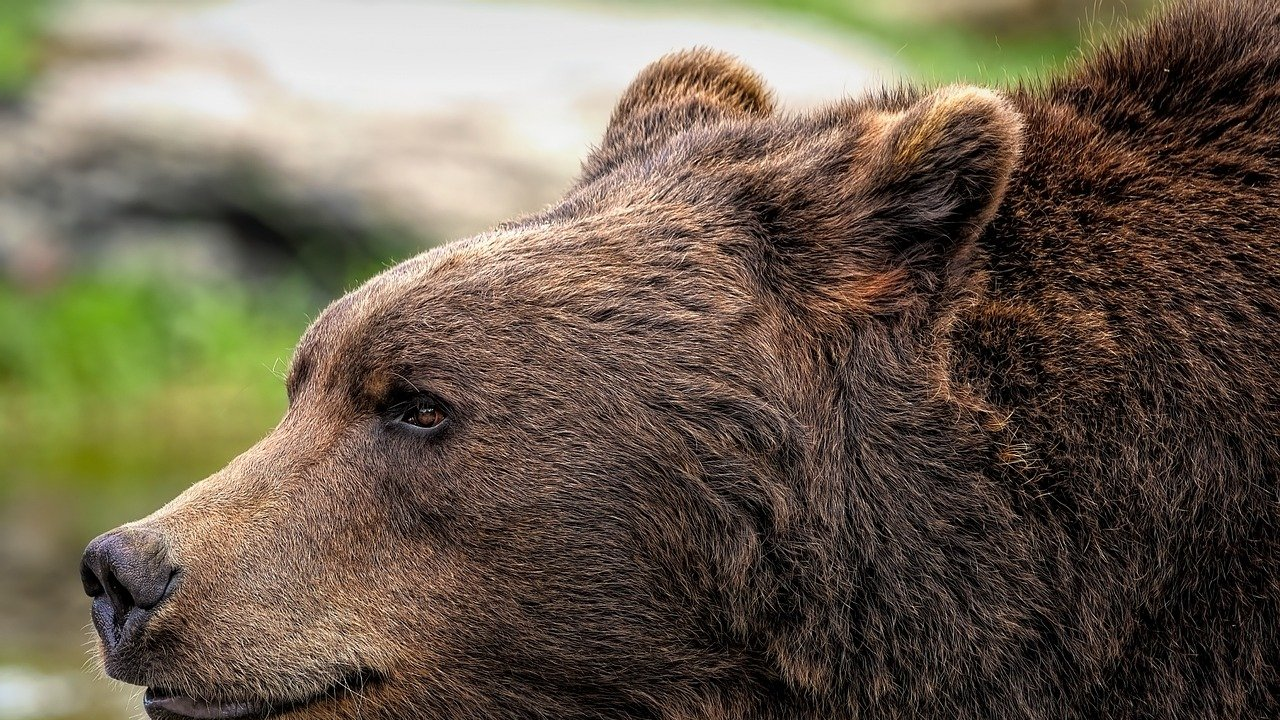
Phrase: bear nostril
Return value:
(121, 599)
(89, 577)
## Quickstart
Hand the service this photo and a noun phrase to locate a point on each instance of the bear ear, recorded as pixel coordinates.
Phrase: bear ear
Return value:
(677, 92)
(938, 171)
(896, 227)
(717, 81)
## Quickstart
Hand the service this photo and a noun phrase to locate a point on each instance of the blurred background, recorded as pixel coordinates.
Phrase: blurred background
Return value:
(183, 185)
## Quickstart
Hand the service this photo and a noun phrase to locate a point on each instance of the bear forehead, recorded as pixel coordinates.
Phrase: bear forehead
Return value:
(552, 272)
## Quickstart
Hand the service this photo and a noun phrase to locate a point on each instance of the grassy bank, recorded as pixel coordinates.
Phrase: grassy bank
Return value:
(115, 388)
(21, 22)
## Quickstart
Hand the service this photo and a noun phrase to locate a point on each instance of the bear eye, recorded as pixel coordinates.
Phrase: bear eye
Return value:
(423, 413)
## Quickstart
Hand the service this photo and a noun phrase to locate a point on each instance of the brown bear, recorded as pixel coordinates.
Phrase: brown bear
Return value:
(929, 404)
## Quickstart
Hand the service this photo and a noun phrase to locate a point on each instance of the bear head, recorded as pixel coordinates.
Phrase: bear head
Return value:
(591, 463)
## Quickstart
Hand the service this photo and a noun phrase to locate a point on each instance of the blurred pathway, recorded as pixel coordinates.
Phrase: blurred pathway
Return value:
(441, 118)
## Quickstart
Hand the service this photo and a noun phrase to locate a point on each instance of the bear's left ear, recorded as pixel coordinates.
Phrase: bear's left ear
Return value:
(936, 173)
(677, 92)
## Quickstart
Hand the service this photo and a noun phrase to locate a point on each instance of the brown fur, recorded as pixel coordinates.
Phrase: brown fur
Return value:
(950, 404)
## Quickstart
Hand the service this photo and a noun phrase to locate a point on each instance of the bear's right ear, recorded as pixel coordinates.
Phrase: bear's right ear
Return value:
(677, 92)
(893, 223)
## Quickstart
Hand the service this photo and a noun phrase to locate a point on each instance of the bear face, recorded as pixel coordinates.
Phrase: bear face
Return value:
(481, 499)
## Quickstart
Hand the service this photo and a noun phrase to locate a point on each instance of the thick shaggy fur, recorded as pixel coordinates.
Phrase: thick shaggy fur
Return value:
(949, 404)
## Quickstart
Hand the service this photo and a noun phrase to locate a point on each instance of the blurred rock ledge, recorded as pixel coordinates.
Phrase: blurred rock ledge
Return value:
(243, 139)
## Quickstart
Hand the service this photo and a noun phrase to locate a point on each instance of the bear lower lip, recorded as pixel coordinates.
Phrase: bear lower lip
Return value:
(164, 705)
(186, 707)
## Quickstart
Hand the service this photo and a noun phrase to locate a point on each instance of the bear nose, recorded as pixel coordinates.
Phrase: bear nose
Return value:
(127, 573)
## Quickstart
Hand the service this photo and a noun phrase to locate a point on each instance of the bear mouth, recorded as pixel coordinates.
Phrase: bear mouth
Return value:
(164, 704)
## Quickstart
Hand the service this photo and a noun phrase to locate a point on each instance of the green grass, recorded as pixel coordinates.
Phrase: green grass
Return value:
(124, 390)
(941, 52)
(20, 26)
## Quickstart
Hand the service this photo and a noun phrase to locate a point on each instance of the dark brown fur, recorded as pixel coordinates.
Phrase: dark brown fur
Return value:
(950, 404)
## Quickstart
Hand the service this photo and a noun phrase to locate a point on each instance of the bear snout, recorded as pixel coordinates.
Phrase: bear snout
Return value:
(128, 574)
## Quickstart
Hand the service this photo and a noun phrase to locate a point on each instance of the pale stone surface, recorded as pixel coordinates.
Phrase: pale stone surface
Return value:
(270, 119)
